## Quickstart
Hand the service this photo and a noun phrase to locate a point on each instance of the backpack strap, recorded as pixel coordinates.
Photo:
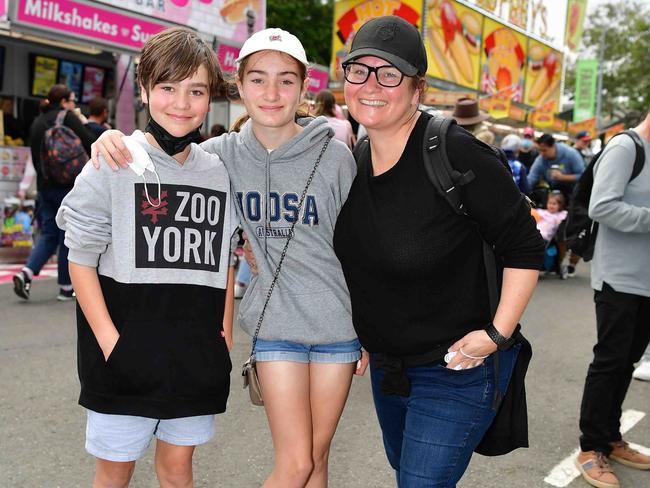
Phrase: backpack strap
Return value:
(639, 160)
(447, 180)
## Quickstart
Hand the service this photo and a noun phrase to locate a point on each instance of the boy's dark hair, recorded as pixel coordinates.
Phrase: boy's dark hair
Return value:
(57, 93)
(175, 54)
(97, 106)
(546, 139)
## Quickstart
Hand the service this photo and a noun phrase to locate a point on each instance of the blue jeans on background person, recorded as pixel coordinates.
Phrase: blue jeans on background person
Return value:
(429, 436)
(50, 237)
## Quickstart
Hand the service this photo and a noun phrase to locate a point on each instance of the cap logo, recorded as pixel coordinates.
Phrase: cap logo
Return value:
(388, 32)
(276, 37)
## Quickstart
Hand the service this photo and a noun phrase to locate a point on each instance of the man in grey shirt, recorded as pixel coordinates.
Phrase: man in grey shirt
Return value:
(620, 276)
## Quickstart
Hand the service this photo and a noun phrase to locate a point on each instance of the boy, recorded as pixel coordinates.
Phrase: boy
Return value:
(149, 256)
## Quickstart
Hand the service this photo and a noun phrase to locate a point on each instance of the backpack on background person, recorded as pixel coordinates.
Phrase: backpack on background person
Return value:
(62, 153)
(581, 231)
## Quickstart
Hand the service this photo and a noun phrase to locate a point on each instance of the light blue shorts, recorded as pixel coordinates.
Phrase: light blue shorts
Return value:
(337, 352)
(124, 438)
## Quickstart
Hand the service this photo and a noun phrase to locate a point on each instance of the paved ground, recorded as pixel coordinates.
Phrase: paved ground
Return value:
(42, 427)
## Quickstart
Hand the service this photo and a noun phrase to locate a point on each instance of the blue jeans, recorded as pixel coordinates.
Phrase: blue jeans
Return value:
(429, 436)
(50, 237)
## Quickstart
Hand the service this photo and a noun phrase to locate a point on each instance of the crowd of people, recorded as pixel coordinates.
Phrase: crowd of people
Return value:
(356, 261)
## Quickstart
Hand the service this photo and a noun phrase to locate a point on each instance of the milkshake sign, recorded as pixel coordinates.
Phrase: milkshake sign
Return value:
(87, 22)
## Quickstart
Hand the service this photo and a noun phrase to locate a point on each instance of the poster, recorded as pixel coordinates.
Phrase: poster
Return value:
(93, 85)
(502, 61)
(70, 74)
(232, 21)
(45, 75)
(585, 95)
(349, 15)
(574, 23)
(453, 42)
(543, 75)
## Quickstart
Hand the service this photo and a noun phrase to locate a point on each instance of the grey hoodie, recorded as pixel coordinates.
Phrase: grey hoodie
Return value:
(310, 303)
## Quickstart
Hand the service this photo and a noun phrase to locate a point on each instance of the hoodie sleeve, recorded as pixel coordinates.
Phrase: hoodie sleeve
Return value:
(347, 170)
(213, 145)
(85, 216)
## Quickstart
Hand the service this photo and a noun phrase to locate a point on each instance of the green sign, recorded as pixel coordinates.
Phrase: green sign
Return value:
(585, 96)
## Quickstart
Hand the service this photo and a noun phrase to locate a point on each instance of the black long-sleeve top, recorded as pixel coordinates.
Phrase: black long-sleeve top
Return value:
(414, 267)
(37, 133)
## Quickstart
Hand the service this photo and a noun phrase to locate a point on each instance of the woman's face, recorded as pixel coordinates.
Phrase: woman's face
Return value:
(271, 88)
(379, 107)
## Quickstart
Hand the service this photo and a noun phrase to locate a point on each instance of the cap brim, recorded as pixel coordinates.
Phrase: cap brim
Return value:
(407, 68)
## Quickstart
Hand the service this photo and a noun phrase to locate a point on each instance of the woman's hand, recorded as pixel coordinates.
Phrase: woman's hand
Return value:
(471, 350)
(248, 254)
(110, 146)
(362, 363)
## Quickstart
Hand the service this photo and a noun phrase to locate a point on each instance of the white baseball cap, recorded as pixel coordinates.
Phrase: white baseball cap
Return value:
(274, 39)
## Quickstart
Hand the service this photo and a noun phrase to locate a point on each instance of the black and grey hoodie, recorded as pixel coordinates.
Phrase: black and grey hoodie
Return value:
(310, 303)
(163, 271)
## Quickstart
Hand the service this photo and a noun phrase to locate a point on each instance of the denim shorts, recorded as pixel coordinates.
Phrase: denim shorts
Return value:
(125, 438)
(337, 352)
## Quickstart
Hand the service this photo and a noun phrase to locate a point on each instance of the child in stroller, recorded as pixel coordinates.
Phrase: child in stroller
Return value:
(550, 223)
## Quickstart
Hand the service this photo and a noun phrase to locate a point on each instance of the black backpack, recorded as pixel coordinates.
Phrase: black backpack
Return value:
(581, 231)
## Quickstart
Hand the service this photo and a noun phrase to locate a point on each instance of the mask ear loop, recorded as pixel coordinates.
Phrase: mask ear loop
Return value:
(146, 192)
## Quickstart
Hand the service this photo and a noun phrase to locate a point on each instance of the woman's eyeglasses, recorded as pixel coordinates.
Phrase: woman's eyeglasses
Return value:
(358, 73)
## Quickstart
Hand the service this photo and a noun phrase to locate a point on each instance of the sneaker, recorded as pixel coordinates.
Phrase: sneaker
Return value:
(595, 469)
(571, 271)
(240, 290)
(65, 295)
(624, 454)
(22, 284)
(642, 371)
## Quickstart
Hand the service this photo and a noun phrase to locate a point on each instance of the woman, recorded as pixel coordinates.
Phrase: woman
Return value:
(415, 269)
(326, 106)
(307, 350)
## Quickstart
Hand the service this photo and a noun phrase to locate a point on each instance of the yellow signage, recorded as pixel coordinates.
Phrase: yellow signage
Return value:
(453, 42)
(575, 18)
(502, 61)
(543, 75)
(543, 116)
(350, 15)
(589, 125)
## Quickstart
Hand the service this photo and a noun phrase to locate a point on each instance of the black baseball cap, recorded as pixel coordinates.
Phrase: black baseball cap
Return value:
(392, 39)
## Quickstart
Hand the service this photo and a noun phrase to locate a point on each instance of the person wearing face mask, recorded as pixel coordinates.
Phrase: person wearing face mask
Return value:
(414, 267)
(307, 351)
(527, 151)
(150, 261)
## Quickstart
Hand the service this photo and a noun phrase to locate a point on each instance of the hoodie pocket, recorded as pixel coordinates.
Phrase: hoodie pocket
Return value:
(140, 359)
(200, 362)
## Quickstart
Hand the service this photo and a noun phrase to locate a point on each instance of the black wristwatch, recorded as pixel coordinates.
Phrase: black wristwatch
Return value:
(503, 343)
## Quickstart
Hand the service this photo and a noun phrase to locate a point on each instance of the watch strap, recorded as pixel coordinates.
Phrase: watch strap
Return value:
(503, 343)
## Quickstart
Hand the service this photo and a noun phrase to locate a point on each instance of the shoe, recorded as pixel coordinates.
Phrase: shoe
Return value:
(240, 290)
(571, 271)
(596, 470)
(22, 284)
(624, 454)
(642, 371)
(65, 295)
(564, 272)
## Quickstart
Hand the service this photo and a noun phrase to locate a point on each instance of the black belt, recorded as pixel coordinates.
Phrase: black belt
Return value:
(395, 380)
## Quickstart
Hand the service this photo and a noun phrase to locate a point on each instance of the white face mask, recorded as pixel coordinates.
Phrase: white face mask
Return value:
(141, 163)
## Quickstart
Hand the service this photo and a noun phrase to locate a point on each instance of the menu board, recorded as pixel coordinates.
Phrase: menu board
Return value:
(70, 74)
(93, 85)
(45, 75)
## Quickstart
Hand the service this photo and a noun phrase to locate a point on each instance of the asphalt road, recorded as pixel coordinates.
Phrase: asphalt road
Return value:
(42, 427)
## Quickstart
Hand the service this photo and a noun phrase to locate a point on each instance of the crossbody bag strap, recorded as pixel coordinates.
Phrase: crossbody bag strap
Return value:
(286, 244)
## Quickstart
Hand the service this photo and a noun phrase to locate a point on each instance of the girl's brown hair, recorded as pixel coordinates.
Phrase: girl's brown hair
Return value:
(558, 197)
(176, 54)
(325, 103)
